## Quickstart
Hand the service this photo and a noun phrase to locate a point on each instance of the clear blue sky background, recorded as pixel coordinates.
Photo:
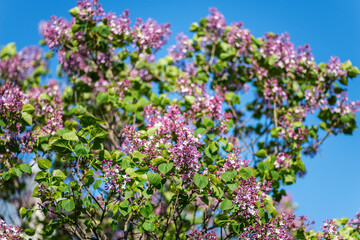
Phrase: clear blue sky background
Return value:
(331, 27)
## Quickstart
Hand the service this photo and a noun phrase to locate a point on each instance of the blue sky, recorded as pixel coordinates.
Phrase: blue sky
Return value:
(331, 187)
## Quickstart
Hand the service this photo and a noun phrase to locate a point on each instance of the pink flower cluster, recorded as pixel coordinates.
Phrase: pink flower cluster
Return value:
(185, 86)
(248, 194)
(216, 25)
(343, 106)
(280, 48)
(171, 133)
(150, 34)
(234, 161)
(119, 25)
(355, 222)
(19, 67)
(333, 67)
(197, 235)
(283, 160)
(329, 230)
(288, 130)
(274, 91)
(278, 227)
(182, 47)
(239, 38)
(9, 232)
(11, 102)
(90, 10)
(48, 103)
(116, 181)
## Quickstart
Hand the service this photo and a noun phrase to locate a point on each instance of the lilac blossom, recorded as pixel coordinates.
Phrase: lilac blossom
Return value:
(8, 232)
(283, 160)
(182, 47)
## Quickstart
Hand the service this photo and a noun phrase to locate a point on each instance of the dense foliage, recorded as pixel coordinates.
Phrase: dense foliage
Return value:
(124, 145)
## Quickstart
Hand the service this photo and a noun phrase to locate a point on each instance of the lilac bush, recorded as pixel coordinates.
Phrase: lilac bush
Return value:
(127, 145)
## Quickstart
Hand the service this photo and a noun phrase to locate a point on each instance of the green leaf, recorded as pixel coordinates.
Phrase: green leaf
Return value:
(201, 181)
(29, 232)
(6, 176)
(61, 145)
(41, 176)
(226, 204)
(27, 118)
(9, 50)
(103, 30)
(270, 205)
(158, 160)
(22, 211)
(88, 120)
(130, 107)
(165, 167)
(194, 27)
(275, 174)
(200, 131)
(246, 172)
(102, 97)
(71, 136)
(44, 164)
(81, 150)
(208, 123)
(214, 147)
(145, 212)
(25, 168)
(228, 176)
(263, 166)
(323, 125)
(190, 99)
(98, 133)
(97, 184)
(346, 65)
(154, 178)
(59, 174)
(28, 108)
(261, 153)
(344, 118)
(149, 226)
(68, 204)
(74, 11)
(16, 171)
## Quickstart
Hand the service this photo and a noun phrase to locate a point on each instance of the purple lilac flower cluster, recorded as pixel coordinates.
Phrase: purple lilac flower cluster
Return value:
(283, 160)
(9, 232)
(234, 161)
(329, 230)
(197, 235)
(355, 222)
(278, 227)
(58, 33)
(289, 131)
(216, 25)
(182, 47)
(11, 103)
(115, 180)
(248, 194)
(280, 48)
(19, 67)
(172, 134)
(48, 103)
(274, 92)
(240, 38)
(150, 34)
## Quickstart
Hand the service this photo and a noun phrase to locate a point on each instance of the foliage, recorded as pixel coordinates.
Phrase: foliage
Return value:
(135, 147)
